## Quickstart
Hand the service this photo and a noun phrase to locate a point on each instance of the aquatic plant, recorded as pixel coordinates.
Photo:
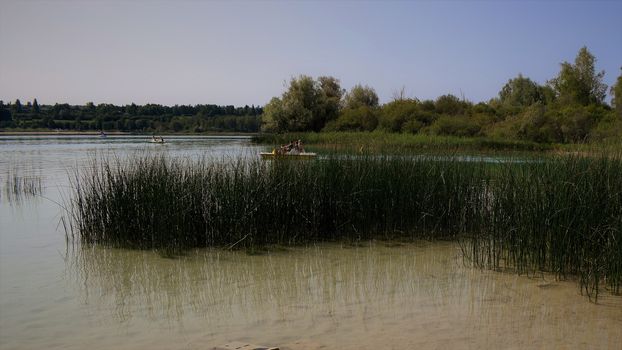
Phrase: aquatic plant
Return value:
(561, 214)
(17, 185)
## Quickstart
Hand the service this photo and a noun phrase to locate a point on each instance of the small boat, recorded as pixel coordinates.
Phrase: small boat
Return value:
(157, 140)
(274, 155)
(293, 150)
(102, 134)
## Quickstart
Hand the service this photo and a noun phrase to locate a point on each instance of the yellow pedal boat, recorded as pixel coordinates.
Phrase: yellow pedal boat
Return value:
(274, 155)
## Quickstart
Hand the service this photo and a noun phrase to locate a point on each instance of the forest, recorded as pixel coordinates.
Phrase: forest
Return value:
(129, 118)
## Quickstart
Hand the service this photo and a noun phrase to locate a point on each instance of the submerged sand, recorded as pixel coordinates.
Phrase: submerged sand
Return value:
(375, 296)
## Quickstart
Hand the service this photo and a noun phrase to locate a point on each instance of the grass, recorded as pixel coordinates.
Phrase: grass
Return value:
(378, 141)
(561, 214)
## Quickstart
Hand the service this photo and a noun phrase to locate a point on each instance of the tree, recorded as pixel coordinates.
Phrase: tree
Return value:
(273, 117)
(450, 105)
(5, 113)
(305, 105)
(17, 106)
(329, 104)
(131, 109)
(359, 119)
(579, 83)
(616, 92)
(360, 96)
(397, 113)
(90, 107)
(521, 92)
(35, 107)
(300, 103)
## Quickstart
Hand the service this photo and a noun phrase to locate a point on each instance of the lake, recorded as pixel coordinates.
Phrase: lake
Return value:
(373, 295)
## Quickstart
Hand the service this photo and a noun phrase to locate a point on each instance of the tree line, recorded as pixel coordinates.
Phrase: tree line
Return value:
(131, 118)
(568, 108)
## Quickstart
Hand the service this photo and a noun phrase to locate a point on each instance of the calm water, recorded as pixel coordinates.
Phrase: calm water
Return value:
(373, 296)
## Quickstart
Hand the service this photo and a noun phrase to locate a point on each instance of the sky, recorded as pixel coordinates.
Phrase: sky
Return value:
(244, 53)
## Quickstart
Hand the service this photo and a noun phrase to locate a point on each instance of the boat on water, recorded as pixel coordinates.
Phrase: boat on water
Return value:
(102, 134)
(293, 150)
(275, 155)
(157, 139)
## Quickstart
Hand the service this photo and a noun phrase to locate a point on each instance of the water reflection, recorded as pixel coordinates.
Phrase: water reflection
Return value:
(218, 283)
(319, 288)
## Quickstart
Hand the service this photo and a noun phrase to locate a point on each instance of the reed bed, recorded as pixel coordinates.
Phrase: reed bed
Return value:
(559, 214)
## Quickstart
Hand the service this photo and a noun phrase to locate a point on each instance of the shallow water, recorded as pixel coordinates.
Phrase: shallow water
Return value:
(373, 296)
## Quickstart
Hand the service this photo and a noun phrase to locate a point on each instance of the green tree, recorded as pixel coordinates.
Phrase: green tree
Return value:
(35, 107)
(397, 113)
(273, 117)
(579, 83)
(131, 109)
(300, 103)
(363, 118)
(5, 113)
(305, 105)
(521, 92)
(360, 96)
(576, 122)
(616, 92)
(537, 124)
(330, 100)
(17, 106)
(450, 105)
(90, 107)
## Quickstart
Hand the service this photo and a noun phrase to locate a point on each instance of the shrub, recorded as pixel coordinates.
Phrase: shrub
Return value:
(455, 126)
(358, 119)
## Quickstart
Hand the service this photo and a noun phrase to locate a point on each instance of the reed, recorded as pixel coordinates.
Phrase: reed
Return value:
(562, 215)
(17, 186)
(557, 214)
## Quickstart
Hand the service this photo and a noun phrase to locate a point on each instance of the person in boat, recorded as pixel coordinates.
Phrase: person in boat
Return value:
(157, 139)
(300, 147)
(295, 149)
(282, 149)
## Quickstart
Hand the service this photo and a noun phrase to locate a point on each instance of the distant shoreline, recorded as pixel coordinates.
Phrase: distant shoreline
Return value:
(115, 133)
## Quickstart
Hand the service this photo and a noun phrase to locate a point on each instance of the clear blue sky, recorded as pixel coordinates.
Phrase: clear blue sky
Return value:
(242, 52)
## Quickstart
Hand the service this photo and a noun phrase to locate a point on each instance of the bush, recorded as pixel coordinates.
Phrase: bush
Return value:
(358, 119)
(608, 129)
(576, 122)
(455, 126)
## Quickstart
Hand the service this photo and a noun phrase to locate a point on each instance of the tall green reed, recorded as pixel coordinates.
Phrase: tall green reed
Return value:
(558, 214)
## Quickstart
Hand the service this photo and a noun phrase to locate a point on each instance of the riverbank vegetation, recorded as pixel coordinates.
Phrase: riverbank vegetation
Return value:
(557, 214)
(129, 118)
(570, 108)
(385, 142)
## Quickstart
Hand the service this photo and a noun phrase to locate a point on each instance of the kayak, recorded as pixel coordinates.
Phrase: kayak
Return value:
(304, 155)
